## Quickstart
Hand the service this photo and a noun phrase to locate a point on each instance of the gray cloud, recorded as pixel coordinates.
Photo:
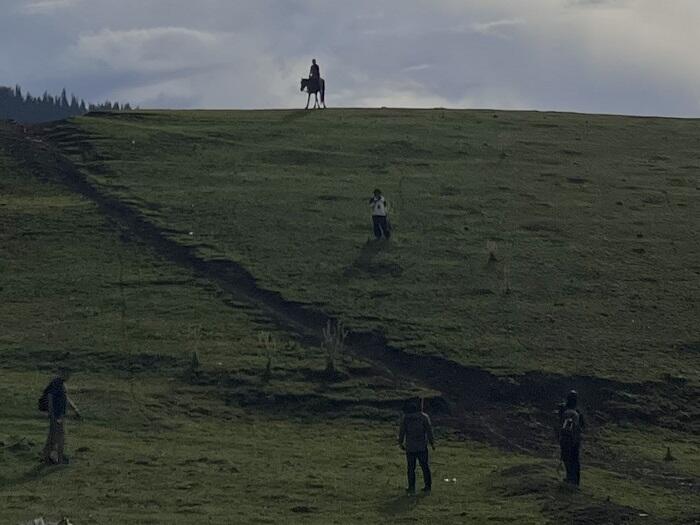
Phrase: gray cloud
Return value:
(623, 56)
(497, 27)
(46, 6)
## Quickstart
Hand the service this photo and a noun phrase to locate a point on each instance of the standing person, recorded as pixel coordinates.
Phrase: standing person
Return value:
(417, 431)
(380, 221)
(55, 401)
(314, 74)
(571, 426)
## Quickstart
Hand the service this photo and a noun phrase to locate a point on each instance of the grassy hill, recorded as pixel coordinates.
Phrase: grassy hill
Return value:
(594, 220)
(133, 241)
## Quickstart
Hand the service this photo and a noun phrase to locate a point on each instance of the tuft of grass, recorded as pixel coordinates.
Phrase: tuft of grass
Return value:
(491, 250)
(334, 334)
(270, 346)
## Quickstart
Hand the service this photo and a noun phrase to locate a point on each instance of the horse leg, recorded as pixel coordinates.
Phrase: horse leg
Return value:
(308, 99)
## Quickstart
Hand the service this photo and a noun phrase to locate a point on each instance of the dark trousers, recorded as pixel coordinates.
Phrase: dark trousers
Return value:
(381, 226)
(422, 457)
(55, 442)
(570, 457)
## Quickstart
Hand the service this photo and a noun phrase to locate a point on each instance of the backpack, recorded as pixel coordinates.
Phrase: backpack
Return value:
(44, 401)
(570, 432)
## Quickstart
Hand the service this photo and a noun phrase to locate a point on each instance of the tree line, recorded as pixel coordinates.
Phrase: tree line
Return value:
(27, 109)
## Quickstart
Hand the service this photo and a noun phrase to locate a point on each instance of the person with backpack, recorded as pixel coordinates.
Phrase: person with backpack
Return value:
(380, 219)
(55, 402)
(571, 426)
(417, 431)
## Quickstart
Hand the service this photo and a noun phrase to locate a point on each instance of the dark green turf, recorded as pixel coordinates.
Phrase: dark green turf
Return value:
(285, 193)
(594, 220)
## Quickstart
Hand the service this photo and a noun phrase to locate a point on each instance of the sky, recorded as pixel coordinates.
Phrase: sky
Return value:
(635, 57)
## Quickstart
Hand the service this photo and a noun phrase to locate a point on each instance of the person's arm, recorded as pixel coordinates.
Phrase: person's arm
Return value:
(402, 432)
(51, 412)
(75, 408)
(582, 421)
(429, 431)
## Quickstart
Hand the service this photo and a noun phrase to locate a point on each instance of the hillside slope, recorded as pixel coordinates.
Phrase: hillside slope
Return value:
(594, 220)
(258, 223)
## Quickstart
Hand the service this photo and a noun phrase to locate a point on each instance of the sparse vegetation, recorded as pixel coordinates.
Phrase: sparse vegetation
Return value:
(334, 334)
(506, 287)
(491, 250)
(270, 346)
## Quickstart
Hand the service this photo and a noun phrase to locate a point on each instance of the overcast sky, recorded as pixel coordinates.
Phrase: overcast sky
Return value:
(610, 56)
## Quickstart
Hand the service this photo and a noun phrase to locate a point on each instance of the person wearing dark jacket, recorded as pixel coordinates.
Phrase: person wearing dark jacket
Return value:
(416, 431)
(571, 426)
(57, 403)
(314, 74)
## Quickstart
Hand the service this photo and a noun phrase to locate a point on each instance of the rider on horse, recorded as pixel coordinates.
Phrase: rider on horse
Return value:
(314, 85)
(314, 74)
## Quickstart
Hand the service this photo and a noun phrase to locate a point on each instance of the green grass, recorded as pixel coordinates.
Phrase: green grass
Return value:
(594, 219)
(139, 458)
(160, 446)
(155, 448)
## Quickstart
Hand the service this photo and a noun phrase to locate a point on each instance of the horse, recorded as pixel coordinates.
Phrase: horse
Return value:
(319, 88)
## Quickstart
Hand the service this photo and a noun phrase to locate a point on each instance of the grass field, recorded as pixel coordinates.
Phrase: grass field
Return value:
(594, 220)
(581, 286)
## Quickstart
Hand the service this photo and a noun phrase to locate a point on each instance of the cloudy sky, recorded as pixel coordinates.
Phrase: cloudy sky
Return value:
(610, 56)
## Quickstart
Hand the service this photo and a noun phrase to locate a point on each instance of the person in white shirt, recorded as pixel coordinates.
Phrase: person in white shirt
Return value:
(380, 221)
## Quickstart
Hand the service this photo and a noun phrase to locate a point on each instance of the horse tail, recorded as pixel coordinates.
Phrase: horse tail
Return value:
(323, 90)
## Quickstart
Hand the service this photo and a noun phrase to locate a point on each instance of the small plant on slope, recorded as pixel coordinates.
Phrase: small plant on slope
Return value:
(491, 249)
(270, 344)
(334, 335)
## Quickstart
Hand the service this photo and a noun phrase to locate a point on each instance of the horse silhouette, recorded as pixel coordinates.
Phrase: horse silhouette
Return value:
(314, 87)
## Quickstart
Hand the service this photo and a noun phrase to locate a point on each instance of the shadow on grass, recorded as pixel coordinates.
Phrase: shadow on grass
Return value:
(400, 504)
(295, 115)
(35, 473)
(365, 264)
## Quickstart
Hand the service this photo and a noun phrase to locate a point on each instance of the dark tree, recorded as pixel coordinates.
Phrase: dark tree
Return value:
(28, 109)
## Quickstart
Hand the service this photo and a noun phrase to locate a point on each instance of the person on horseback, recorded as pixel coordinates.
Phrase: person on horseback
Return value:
(314, 75)
(314, 85)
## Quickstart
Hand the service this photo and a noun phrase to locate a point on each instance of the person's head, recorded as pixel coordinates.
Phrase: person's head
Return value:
(572, 399)
(64, 373)
(411, 406)
(377, 192)
(313, 61)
